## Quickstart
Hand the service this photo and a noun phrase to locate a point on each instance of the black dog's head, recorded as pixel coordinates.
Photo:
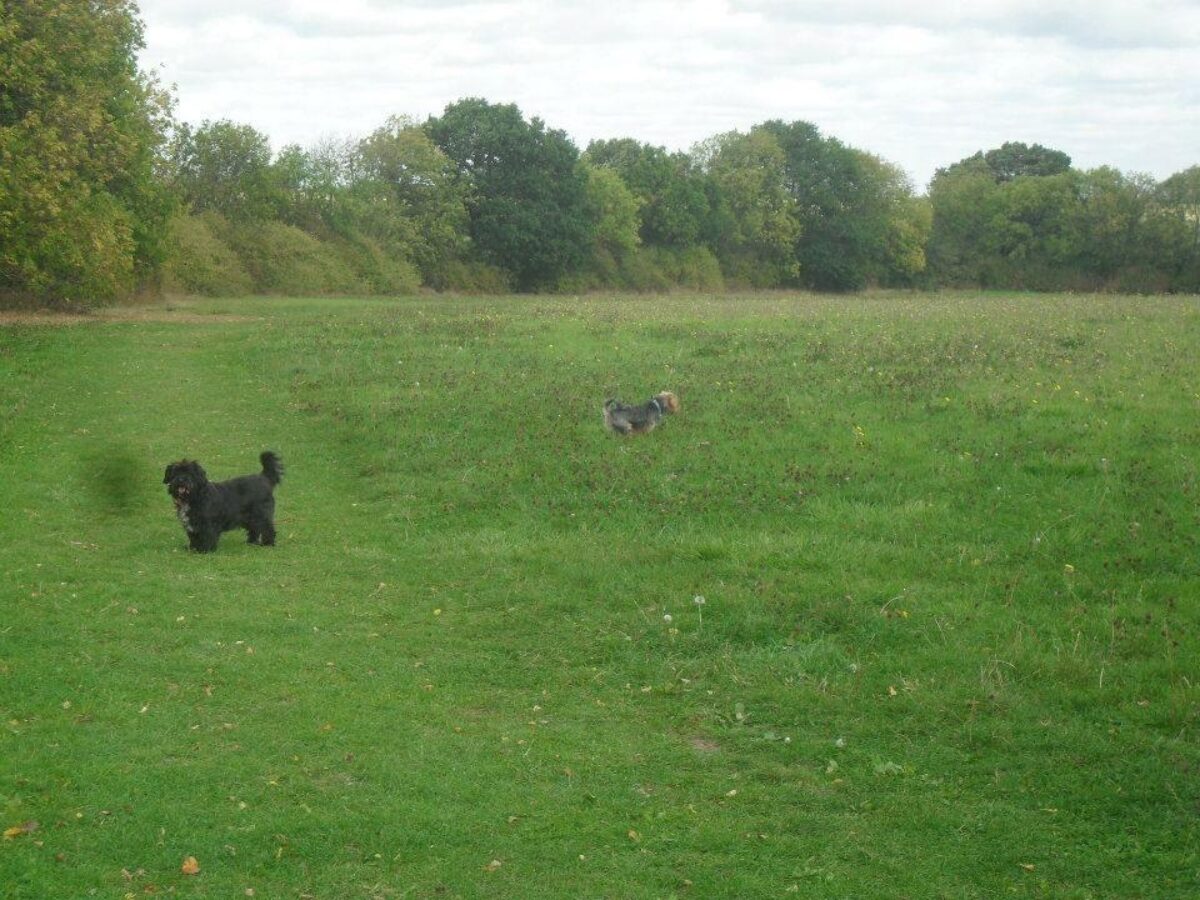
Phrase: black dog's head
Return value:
(184, 480)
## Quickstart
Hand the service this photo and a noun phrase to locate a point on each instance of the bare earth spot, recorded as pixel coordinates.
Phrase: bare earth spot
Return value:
(704, 745)
(119, 314)
(16, 317)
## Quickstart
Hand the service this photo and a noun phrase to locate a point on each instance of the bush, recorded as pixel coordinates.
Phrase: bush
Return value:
(459, 276)
(380, 272)
(200, 262)
(745, 270)
(642, 271)
(282, 259)
(655, 269)
(80, 257)
(209, 255)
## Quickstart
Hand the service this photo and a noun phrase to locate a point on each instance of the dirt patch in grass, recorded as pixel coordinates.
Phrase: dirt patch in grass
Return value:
(119, 314)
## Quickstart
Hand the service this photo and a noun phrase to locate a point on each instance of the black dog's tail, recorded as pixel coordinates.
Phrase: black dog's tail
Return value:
(272, 467)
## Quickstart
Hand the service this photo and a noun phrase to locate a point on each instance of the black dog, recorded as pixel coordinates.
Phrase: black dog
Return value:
(206, 509)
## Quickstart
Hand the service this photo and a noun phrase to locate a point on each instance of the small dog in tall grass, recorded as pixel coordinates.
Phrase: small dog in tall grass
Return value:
(207, 509)
(639, 419)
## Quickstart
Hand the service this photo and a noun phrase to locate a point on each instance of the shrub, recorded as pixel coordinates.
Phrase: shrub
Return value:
(282, 259)
(379, 272)
(200, 262)
(459, 276)
(661, 268)
(641, 271)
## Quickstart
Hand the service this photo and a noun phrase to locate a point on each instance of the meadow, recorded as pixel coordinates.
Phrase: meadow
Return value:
(903, 603)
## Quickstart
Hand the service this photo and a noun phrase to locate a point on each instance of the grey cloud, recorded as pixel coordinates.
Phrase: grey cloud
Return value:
(921, 87)
(1102, 23)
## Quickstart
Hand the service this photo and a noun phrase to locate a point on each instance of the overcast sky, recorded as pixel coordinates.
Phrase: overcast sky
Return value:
(922, 85)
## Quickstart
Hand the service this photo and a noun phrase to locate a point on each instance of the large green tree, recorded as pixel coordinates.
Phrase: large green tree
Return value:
(748, 171)
(676, 206)
(614, 211)
(226, 167)
(1117, 246)
(527, 195)
(849, 205)
(901, 222)
(1178, 204)
(416, 199)
(1038, 237)
(1010, 217)
(1014, 159)
(312, 184)
(81, 209)
(966, 203)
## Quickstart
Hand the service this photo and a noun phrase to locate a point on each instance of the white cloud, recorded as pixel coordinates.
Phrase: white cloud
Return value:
(1107, 82)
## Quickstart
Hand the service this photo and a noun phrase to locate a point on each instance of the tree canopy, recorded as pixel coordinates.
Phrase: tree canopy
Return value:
(102, 193)
(526, 195)
(81, 209)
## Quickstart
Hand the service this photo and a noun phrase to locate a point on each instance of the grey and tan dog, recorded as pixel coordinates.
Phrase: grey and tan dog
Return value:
(639, 419)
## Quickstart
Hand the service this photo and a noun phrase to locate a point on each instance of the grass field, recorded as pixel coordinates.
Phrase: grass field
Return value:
(948, 548)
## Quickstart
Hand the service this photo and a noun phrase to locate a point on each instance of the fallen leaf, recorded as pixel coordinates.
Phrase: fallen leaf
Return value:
(190, 866)
(493, 866)
(1028, 867)
(18, 830)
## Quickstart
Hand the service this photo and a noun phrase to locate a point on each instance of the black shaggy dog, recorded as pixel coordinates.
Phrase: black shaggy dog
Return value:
(206, 509)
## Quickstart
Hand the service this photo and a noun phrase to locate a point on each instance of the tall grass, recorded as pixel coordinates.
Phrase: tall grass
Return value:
(946, 547)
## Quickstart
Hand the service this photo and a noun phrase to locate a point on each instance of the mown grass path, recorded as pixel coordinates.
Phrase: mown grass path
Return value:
(947, 548)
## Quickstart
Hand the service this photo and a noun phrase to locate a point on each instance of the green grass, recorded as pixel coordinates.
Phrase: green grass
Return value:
(948, 547)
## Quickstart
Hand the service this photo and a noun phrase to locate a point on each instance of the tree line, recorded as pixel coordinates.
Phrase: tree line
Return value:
(103, 193)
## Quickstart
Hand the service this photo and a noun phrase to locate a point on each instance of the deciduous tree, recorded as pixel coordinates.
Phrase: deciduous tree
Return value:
(676, 208)
(225, 167)
(757, 245)
(424, 207)
(81, 210)
(527, 195)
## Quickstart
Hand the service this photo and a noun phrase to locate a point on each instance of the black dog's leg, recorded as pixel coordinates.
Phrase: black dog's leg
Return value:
(264, 523)
(204, 541)
(251, 534)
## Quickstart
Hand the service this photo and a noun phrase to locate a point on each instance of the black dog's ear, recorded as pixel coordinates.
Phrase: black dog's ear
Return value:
(167, 474)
